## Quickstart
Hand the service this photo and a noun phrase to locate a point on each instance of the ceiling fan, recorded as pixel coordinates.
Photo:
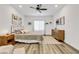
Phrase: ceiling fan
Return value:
(39, 8)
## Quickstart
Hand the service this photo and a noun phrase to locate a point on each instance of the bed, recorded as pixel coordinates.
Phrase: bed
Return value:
(28, 38)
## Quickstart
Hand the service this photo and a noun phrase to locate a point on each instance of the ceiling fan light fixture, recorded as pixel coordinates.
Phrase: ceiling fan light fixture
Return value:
(38, 8)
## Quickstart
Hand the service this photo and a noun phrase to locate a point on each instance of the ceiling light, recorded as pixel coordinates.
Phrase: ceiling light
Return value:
(56, 6)
(20, 6)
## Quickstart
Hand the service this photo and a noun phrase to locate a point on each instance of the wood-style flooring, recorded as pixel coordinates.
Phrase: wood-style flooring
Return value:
(49, 46)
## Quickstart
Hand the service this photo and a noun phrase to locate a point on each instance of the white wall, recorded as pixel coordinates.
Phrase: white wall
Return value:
(6, 12)
(71, 13)
(44, 18)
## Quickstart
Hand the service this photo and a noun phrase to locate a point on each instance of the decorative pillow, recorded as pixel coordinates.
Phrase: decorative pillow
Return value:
(7, 49)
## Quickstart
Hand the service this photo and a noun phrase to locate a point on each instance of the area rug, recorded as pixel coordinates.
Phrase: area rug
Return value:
(50, 40)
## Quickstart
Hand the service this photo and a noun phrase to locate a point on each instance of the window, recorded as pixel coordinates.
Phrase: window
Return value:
(38, 25)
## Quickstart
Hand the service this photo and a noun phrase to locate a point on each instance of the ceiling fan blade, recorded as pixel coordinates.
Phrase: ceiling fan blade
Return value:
(43, 9)
(33, 7)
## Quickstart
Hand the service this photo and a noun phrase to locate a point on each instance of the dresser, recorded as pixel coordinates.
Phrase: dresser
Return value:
(7, 39)
(58, 34)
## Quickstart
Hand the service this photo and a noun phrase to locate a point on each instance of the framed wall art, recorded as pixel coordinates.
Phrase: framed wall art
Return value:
(60, 21)
(16, 23)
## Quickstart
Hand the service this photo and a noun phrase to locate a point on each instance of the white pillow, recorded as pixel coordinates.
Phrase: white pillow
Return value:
(25, 31)
(7, 49)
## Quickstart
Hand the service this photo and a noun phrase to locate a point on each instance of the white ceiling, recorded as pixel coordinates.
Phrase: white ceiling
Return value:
(27, 11)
